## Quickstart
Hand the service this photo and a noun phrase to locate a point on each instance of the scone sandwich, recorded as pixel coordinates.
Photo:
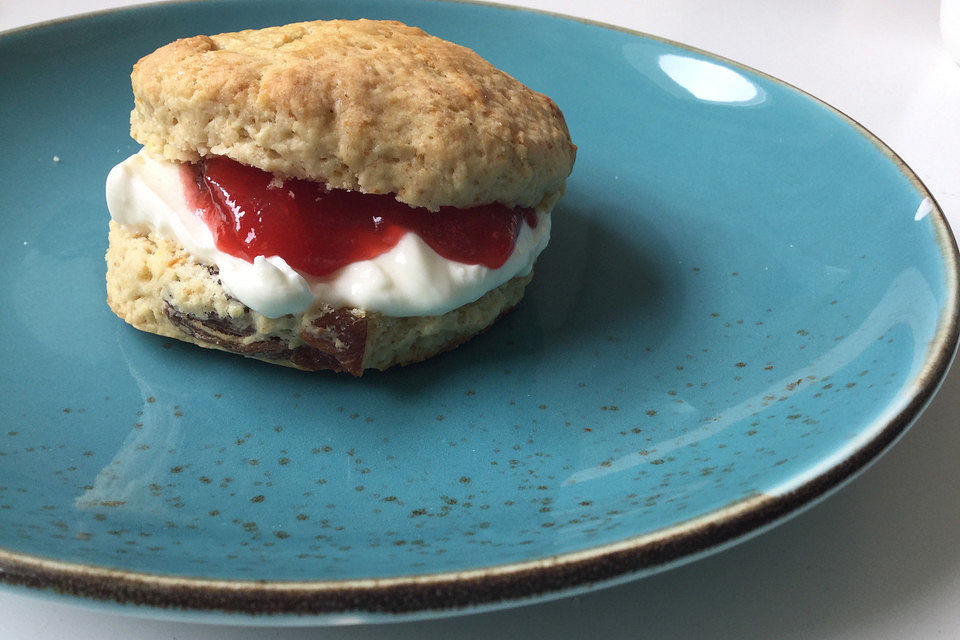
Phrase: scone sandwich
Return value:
(339, 195)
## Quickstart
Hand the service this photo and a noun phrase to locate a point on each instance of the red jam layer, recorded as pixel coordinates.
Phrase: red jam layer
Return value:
(317, 231)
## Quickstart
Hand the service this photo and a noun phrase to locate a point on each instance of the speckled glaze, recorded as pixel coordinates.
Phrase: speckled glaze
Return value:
(746, 299)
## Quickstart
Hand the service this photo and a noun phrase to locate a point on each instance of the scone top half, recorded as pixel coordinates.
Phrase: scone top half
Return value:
(371, 106)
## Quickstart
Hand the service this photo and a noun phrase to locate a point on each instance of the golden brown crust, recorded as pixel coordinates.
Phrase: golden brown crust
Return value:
(154, 285)
(366, 105)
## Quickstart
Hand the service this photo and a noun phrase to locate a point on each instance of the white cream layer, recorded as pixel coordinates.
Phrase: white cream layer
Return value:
(144, 193)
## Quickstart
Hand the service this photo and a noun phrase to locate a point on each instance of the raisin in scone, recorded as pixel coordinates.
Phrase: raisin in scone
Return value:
(339, 195)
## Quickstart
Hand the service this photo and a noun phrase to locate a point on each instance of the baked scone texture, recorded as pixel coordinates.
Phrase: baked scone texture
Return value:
(156, 286)
(374, 106)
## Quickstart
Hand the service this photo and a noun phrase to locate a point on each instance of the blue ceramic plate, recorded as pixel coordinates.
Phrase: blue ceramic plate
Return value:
(746, 299)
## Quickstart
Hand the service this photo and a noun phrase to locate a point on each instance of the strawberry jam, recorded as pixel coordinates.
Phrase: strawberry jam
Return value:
(318, 230)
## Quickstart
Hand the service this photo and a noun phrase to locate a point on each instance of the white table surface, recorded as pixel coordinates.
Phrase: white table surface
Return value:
(878, 559)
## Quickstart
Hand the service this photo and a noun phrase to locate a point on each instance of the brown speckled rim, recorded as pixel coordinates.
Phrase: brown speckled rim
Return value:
(491, 587)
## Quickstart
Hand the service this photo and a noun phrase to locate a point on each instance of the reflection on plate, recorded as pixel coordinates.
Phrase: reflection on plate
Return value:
(746, 299)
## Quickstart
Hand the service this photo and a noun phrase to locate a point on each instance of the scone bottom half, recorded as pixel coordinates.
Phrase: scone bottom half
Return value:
(370, 107)
(155, 286)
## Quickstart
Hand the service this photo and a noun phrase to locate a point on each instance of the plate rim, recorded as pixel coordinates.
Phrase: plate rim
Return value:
(453, 592)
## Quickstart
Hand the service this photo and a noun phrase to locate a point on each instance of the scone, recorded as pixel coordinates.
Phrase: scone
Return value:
(339, 195)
